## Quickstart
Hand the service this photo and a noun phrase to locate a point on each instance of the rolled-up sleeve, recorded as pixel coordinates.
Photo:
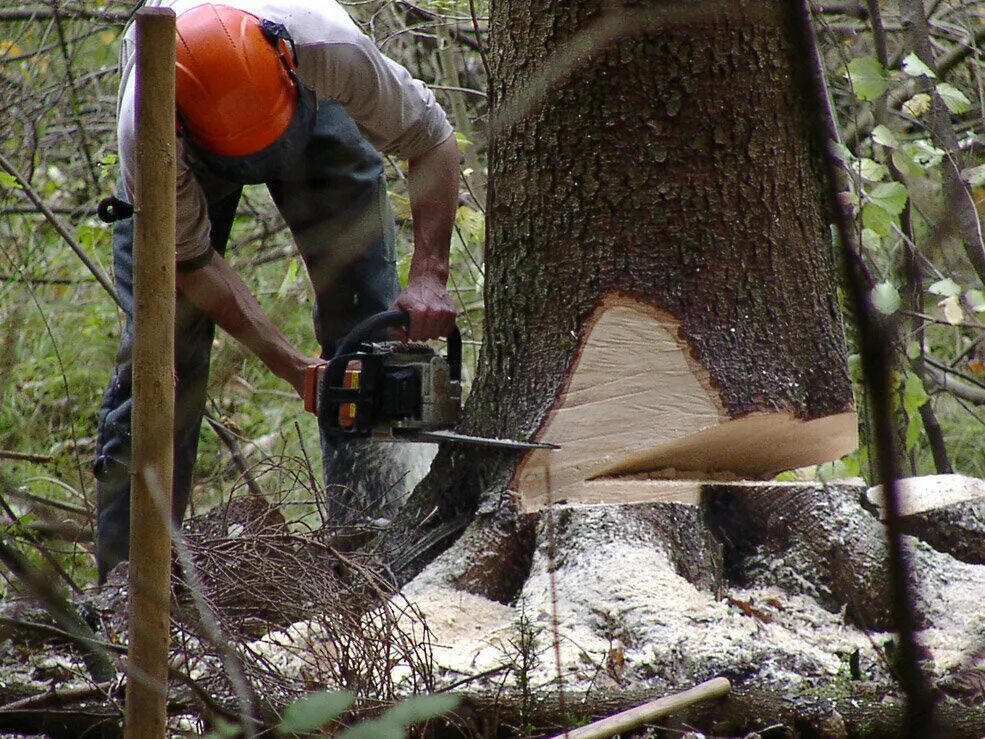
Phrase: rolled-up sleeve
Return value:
(395, 112)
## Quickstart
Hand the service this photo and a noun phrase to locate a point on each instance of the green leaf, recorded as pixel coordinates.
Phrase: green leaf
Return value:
(974, 176)
(945, 287)
(917, 105)
(883, 135)
(914, 66)
(914, 394)
(871, 240)
(842, 152)
(421, 708)
(952, 310)
(314, 711)
(8, 180)
(913, 428)
(955, 100)
(885, 298)
(877, 220)
(871, 170)
(462, 140)
(393, 723)
(890, 196)
(289, 278)
(924, 153)
(90, 236)
(905, 164)
(976, 300)
(868, 77)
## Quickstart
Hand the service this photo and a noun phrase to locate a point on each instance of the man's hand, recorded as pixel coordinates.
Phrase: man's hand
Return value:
(432, 314)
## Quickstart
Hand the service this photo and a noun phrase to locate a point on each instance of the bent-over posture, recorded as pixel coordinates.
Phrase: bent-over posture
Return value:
(291, 94)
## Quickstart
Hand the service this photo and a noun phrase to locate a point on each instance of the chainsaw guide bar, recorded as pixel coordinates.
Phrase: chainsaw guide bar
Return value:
(393, 391)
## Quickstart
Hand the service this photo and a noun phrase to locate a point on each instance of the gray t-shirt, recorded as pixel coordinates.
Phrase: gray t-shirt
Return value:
(395, 112)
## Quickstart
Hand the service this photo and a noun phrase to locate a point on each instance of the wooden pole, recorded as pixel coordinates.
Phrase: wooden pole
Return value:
(653, 711)
(153, 377)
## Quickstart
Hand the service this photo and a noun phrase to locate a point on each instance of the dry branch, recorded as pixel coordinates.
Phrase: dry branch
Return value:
(651, 712)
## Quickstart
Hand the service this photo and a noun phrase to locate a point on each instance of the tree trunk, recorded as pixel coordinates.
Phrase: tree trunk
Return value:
(660, 287)
(661, 305)
(660, 296)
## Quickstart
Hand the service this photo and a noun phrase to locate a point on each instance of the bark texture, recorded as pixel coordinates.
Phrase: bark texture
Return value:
(664, 155)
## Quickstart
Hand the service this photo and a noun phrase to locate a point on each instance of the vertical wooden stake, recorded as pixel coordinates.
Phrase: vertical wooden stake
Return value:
(153, 377)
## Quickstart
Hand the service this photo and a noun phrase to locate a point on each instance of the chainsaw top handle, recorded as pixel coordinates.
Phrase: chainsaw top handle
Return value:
(366, 329)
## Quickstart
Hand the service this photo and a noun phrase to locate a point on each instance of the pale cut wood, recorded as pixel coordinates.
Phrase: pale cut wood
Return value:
(153, 377)
(633, 718)
(637, 401)
(918, 494)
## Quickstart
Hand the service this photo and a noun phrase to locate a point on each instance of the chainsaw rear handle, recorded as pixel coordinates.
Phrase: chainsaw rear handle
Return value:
(365, 331)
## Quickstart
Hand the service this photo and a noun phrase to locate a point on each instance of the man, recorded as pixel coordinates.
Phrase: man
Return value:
(291, 94)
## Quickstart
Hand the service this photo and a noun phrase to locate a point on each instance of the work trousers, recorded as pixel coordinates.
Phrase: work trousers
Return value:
(335, 203)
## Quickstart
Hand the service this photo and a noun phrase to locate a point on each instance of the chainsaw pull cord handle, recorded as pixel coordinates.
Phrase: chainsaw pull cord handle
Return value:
(399, 319)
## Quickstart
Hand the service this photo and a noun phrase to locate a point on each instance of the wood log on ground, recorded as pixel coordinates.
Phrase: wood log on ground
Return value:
(946, 511)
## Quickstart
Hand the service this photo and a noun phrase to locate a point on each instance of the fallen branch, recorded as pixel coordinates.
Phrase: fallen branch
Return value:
(12, 492)
(96, 659)
(717, 687)
(238, 459)
(25, 457)
(56, 697)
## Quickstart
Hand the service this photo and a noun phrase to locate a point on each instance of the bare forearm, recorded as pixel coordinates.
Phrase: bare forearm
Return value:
(433, 188)
(217, 291)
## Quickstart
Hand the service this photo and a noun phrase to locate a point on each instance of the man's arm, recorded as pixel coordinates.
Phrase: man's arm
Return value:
(433, 188)
(217, 291)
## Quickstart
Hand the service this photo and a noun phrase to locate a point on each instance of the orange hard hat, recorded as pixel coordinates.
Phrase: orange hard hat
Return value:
(235, 88)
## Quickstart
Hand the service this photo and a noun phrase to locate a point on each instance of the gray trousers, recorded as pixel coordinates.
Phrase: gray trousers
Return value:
(335, 204)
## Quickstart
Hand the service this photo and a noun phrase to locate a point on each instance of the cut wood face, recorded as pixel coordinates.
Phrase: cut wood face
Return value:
(637, 406)
(919, 494)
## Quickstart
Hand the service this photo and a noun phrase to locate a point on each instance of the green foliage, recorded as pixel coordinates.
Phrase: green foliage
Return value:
(955, 100)
(886, 298)
(314, 711)
(867, 76)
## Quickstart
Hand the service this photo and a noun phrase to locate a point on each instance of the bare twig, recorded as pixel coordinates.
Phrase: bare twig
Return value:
(62, 230)
(234, 451)
(95, 657)
(38, 13)
(58, 697)
(957, 192)
(876, 342)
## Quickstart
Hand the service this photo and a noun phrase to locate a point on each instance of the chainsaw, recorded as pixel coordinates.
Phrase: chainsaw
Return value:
(392, 390)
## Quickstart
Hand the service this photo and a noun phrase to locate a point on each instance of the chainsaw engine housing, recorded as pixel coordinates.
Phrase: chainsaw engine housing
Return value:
(387, 388)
